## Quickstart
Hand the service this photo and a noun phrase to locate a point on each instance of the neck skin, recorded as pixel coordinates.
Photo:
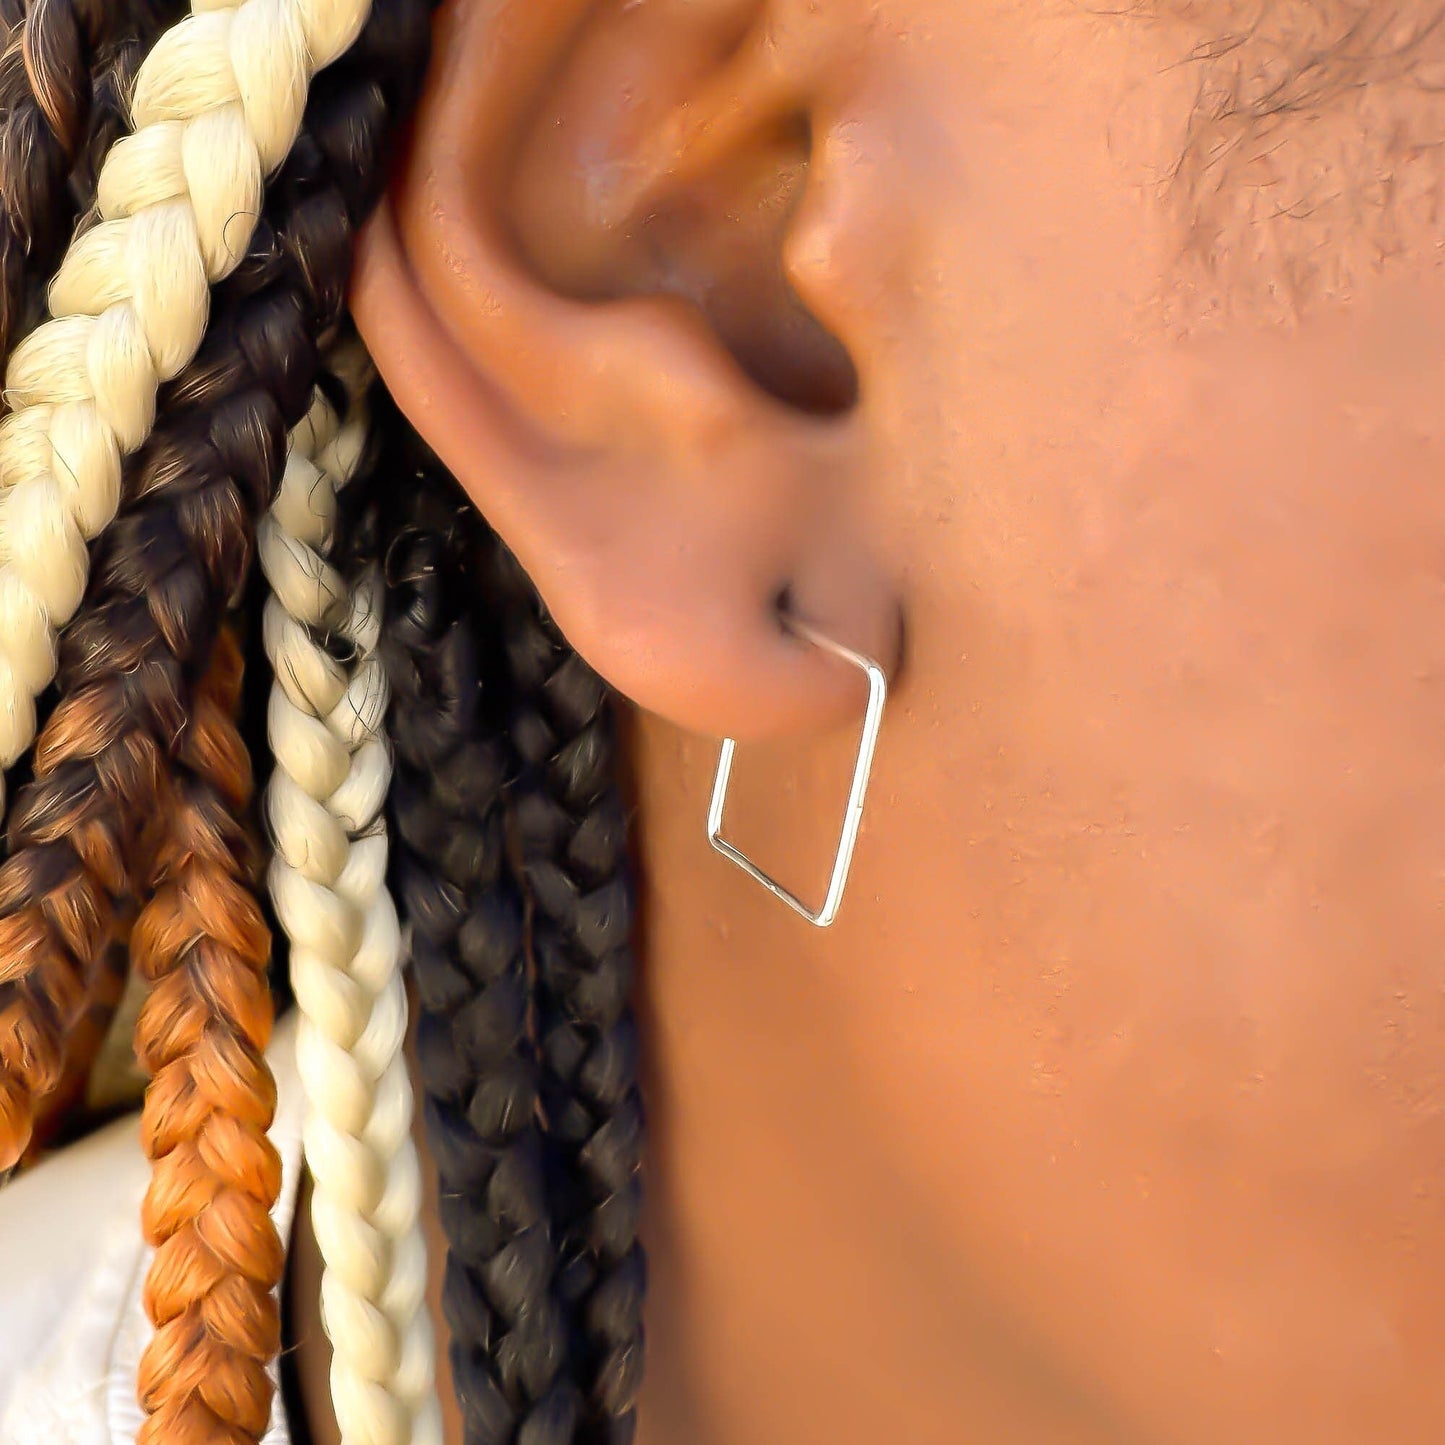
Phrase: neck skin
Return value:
(713, 1273)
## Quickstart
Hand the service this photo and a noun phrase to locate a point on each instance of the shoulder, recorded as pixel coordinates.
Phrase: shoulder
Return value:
(70, 1255)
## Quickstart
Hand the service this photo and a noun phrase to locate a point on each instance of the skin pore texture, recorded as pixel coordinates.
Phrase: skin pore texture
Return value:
(1102, 346)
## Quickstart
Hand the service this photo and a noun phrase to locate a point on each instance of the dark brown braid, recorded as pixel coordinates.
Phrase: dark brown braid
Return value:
(112, 82)
(513, 1358)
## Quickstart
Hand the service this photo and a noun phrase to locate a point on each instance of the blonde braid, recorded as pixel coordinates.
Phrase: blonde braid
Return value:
(328, 882)
(217, 105)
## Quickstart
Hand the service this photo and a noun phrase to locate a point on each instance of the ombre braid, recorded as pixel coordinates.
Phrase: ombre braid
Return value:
(328, 883)
(163, 574)
(512, 1355)
(56, 1112)
(116, 39)
(74, 834)
(202, 945)
(167, 568)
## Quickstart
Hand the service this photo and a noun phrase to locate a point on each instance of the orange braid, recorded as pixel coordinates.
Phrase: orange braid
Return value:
(202, 944)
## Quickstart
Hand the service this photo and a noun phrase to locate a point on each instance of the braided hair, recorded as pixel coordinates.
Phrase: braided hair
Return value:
(328, 882)
(571, 828)
(513, 1357)
(64, 72)
(186, 416)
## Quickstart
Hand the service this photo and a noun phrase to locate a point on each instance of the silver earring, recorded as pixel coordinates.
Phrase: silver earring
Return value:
(872, 722)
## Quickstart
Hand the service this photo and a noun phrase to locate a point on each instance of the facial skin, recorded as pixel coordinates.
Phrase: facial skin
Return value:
(1113, 1108)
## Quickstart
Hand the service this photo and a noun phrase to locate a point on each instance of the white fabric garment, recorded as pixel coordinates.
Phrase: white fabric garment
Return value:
(72, 1267)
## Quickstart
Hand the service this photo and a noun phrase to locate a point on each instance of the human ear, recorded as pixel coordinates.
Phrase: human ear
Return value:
(602, 288)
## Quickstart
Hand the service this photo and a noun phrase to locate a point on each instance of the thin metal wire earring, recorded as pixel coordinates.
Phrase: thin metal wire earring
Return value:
(872, 722)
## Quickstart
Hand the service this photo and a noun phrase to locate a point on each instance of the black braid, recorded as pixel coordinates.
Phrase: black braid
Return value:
(117, 64)
(572, 829)
(511, 1350)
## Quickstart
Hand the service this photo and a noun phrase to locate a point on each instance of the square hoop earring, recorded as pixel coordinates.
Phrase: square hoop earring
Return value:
(852, 819)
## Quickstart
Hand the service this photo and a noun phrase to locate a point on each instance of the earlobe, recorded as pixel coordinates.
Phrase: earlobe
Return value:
(661, 498)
